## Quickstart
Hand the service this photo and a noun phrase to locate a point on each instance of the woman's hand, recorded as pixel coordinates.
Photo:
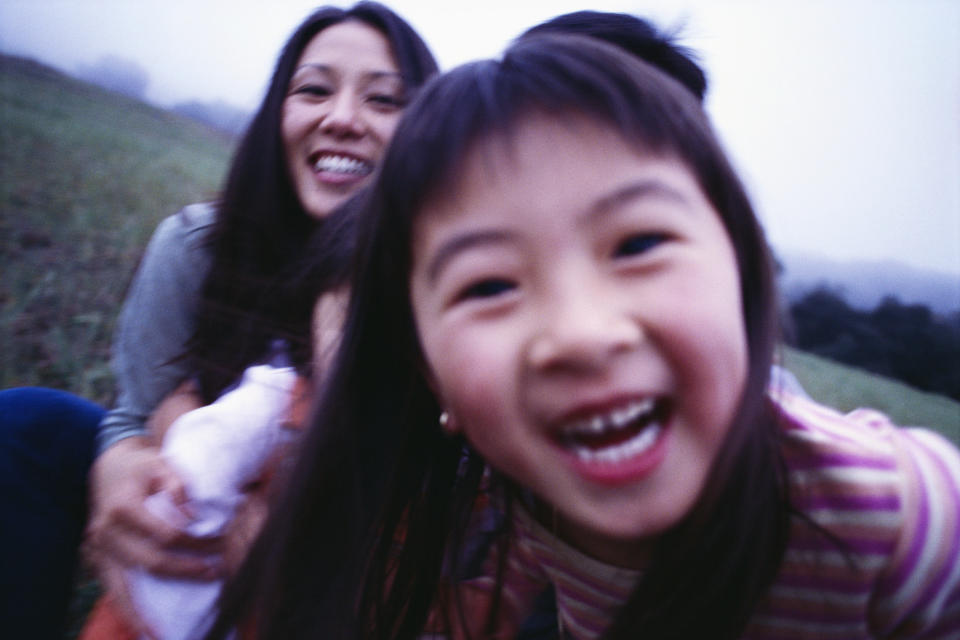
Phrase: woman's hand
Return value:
(122, 533)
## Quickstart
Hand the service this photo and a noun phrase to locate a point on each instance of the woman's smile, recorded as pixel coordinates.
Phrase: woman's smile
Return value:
(344, 100)
(340, 167)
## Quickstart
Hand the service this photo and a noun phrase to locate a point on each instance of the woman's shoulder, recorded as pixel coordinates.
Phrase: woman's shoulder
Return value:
(191, 221)
(184, 232)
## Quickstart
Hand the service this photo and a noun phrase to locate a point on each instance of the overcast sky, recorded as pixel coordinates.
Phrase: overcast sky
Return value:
(843, 116)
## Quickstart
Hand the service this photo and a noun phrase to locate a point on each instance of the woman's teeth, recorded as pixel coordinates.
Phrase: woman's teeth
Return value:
(342, 164)
(615, 435)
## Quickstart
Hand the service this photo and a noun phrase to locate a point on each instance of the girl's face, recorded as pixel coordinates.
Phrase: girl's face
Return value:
(343, 103)
(579, 307)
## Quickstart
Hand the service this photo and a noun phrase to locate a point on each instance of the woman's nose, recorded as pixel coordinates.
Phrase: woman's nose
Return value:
(584, 330)
(344, 117)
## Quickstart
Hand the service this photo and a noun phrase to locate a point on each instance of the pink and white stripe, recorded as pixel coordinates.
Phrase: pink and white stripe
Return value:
(890, 497)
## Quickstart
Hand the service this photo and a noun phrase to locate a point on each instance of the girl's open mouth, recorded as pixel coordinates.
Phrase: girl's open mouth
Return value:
(618, 445)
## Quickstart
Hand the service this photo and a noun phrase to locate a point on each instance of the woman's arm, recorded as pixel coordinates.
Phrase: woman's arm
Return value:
(153, 329)
(156, 321)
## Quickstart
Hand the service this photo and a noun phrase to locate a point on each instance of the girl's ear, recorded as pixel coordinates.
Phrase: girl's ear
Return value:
(448, 424)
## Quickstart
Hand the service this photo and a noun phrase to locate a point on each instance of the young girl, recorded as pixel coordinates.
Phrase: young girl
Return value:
(564, 308)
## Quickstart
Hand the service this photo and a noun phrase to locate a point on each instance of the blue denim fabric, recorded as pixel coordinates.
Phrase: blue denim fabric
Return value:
(46, 449)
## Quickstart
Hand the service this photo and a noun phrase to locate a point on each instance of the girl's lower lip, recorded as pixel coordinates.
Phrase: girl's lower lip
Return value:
(623, 471)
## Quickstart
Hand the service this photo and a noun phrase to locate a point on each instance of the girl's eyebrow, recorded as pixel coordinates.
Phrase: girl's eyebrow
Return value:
(645, 188)
(462, 242)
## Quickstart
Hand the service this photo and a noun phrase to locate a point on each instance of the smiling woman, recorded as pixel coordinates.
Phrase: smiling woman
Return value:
(219, 287)
(339, 87)
(345, 98)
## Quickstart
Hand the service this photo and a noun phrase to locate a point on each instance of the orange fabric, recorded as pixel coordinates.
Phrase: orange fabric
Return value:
(106, 623)
(301, 397)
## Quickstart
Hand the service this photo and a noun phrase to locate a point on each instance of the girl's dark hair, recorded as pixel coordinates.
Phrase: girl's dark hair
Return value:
(261, 227)
(637, 37)
(379, 499)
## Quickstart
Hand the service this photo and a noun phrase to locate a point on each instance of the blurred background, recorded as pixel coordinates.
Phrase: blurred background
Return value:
(841, 115)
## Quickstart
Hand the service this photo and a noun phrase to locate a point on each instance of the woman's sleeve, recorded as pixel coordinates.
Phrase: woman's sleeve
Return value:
(919, 594)
(156, 321)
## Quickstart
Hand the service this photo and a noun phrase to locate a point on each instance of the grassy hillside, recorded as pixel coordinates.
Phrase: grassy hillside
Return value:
(846, 388)
(85, 176)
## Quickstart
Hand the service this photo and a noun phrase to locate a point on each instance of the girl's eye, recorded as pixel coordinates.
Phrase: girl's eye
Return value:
(486, 289)
(639, 243)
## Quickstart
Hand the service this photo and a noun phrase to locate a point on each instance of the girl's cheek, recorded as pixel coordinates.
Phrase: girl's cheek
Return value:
(473, 372)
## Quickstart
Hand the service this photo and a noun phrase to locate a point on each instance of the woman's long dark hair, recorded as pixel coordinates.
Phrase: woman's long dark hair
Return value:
(261, 227)
(379, 498)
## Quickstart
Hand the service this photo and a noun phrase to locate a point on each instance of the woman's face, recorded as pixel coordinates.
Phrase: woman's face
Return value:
(578, 304)
(343, 103)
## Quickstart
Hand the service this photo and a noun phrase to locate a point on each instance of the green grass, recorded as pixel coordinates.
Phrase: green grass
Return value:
(85, 176)
(846, 388)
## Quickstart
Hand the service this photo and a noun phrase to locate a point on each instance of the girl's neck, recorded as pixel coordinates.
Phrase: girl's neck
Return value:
(626, 554)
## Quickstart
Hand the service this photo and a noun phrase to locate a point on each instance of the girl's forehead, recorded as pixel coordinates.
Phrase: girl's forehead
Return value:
(567, 143)
(551, 171)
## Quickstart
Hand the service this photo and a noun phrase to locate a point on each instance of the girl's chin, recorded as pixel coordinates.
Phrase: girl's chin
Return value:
(619, 543)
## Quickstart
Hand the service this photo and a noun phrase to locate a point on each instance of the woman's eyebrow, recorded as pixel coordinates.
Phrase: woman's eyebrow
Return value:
(367, 75)
(314, 66)
(460, 243)
(637, 190)
(376, 75)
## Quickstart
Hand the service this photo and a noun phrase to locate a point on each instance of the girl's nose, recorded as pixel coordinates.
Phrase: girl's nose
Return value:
(584, 332)
(344, 117)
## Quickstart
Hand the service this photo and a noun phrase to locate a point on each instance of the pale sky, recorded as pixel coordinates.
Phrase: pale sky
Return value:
(842, 116)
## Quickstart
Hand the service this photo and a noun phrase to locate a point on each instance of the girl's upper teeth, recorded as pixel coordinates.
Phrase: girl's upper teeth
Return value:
(341, 164)
(615, 419)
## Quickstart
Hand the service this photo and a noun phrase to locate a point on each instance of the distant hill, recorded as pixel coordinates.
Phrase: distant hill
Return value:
(864, 284)
(85, 176)
(217, 114)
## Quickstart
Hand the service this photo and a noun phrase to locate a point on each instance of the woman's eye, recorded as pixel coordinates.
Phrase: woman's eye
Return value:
(388, 101)
(315, 90)
(639, 243)
(486, 289)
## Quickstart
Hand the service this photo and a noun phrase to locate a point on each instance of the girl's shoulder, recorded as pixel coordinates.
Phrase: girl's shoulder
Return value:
(877, 504)
(866, 441)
